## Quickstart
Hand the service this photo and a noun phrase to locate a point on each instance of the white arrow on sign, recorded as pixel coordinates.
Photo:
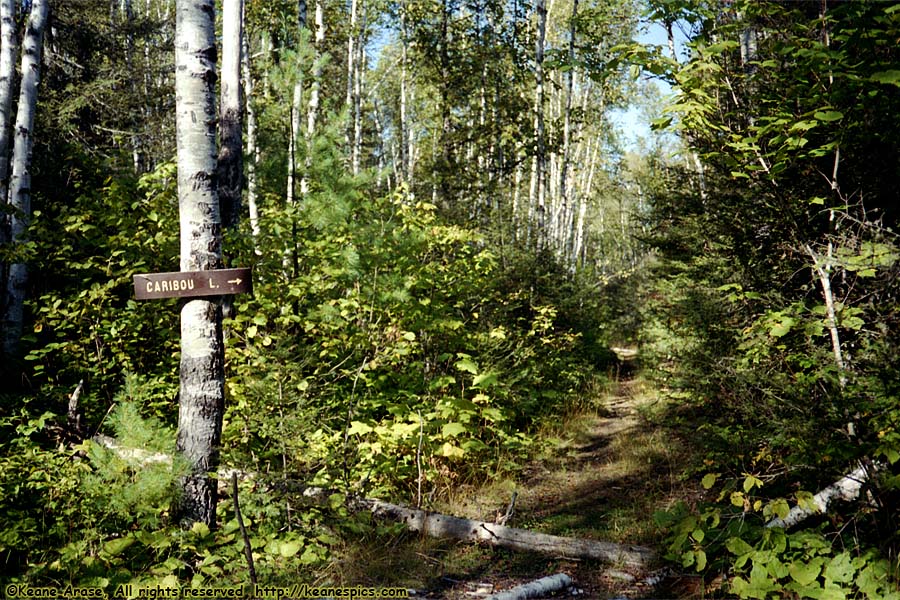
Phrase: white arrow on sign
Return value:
(235, 281)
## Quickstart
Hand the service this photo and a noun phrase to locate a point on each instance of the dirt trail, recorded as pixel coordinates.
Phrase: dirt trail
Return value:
(609, 470)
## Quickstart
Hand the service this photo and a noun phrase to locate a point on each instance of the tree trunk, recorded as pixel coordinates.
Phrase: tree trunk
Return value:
(352, 74)
(538, 168)
(202, 393)
(20, 182)
(252, 146)
(7, 89)
(359, 70)
(536, 589)
(404, 107)
(230, 164)
(565, 229)
(446, 526)
(846, 488)
(312, 113)
(444, 172)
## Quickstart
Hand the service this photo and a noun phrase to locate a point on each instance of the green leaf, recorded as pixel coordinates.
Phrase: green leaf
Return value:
(839, 569)
(485, 380)
(468, 365)
(709, 480)
(779, 508)
(804, 573)
(737, 546)
(453, 429)
(358, 427)
(118, 546)
(750, 482)
(451, 451)
(701, 560)
(289, 549)
(781, 329)
(310, 556)
(200, 529)
(829, 115)
(891, 76)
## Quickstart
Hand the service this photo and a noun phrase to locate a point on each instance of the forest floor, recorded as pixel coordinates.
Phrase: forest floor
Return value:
(604, 470)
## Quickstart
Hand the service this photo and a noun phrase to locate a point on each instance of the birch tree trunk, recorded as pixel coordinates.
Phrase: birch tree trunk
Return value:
(202, 394)
(20, 182)
(351, 85)
(312, 113)
(538, 177)
(565, 229)
(252, 146)
(404, 108)
(7, 88)
(231, 160)
(359, 70)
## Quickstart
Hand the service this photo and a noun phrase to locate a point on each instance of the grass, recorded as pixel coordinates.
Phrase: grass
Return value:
(599, 472)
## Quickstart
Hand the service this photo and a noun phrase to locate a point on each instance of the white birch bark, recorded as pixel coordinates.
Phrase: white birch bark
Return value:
(292, 139)
(359, 71)
(312, 110)
(230, 162)
(536, 589)
(252, 146)
(351, 83)
(202, 393)
(846, 488)
(7, 89)
(20, 182)
(404, 108)
(564, 199)
(538, 176)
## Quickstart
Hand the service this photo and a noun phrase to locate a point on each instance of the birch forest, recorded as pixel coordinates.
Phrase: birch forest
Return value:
(450, 299)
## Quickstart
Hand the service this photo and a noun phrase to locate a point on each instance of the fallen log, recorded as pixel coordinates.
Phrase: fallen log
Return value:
(846, 488)
(446, 526)
(535, 589)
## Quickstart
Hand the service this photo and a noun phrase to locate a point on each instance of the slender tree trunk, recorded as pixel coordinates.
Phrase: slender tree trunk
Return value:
(202, 394)
(7, 89)
(565, 230)
(252, 146)
(359, 65)
(301, 15)
(296, 103)
(351, 84)
(538, 176)
(446, 126)
(579, 247)
(20, 182)
(404, 108)
(294, 125)
(230, 164)
(312, 113)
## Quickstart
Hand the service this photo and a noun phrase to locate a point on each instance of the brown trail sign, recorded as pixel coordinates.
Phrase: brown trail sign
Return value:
(192, 284)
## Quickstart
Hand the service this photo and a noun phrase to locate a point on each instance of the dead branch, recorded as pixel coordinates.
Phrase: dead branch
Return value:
(535, 589)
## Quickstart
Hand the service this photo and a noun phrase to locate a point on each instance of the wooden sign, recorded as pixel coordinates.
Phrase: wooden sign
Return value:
(189, 284)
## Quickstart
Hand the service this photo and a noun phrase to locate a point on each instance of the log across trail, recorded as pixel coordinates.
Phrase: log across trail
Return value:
(440, 525)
